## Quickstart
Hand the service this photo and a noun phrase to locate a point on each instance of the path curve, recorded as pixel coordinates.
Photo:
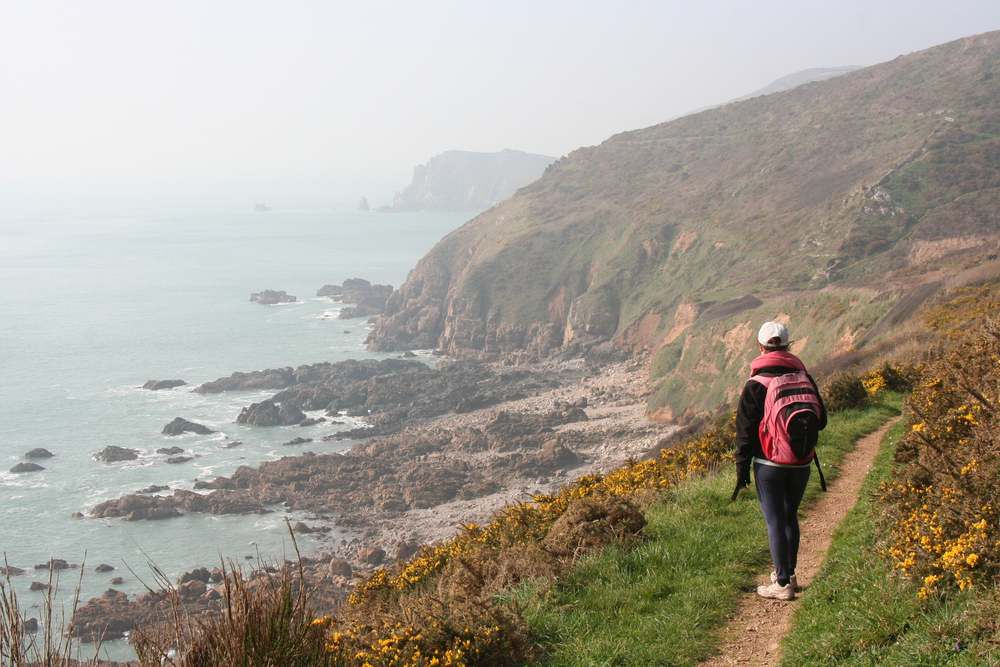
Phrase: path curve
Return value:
(754, 632)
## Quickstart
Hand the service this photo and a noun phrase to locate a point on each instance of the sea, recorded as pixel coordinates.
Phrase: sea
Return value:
(96, 300)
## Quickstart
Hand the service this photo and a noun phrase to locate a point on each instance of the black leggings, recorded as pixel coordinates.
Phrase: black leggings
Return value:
(780, 491)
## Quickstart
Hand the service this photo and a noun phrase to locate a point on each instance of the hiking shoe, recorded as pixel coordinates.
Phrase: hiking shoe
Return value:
(793, 580)
(776, 592)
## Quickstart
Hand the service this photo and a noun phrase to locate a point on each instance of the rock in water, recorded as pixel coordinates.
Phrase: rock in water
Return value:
(363, 204)
(27, 467)
(156, 385)
(39, 453)
(180, 425)
(272, 297)
(266, 413)
(113, 453)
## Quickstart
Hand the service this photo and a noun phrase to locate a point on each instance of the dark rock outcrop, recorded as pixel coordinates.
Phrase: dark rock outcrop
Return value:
(10, 571)
(143, 508)
(170, 451)
(113, 453)
(368, 299)
(363, 204)
(267, 413)
(27, 466)
(178, 459)
(39, 453)
(157, 385)
(56, 564)
(180, 425)
(390, 393)
(271, 297)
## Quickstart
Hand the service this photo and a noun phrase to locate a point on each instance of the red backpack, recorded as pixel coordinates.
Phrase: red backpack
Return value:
(792, 413)
(790, 427)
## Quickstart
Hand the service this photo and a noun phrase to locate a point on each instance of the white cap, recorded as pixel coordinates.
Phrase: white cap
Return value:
(771, 330)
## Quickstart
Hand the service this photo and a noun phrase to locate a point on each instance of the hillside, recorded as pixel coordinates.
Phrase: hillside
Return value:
(467, 181)
(825, 206)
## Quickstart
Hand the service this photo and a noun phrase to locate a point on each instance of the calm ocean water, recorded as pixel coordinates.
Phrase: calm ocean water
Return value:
(92, 305)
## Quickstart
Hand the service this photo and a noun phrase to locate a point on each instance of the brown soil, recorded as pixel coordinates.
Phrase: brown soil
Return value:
(754, 632)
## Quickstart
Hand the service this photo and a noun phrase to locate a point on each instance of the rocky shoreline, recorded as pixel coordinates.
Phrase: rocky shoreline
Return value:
(448, 446)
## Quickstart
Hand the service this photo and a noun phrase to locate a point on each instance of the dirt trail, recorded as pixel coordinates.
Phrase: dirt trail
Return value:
(753, 634)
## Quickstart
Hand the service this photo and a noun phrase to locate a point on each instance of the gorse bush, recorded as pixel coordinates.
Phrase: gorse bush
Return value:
(942, 520)
(845, 391)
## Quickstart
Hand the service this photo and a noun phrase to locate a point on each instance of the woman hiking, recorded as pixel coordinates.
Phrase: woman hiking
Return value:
(776, 437)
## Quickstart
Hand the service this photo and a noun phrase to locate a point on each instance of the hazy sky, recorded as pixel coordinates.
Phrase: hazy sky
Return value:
(345, 98)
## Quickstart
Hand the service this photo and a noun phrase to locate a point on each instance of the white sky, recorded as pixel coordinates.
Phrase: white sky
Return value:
(345, 98)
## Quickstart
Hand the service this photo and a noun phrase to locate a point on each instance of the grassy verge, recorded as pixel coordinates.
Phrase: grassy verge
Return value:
(858, 614)
(660, 602)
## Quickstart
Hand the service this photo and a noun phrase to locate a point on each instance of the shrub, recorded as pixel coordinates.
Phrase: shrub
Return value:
(844, 391)
(942, 505)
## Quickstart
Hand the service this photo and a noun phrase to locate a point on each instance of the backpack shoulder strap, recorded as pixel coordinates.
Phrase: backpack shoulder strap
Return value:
(822, 480)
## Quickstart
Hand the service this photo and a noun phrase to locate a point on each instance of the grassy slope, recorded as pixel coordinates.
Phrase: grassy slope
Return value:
(858, 614)
(661, 602)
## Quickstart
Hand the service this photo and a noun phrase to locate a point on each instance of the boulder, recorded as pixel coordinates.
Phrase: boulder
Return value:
(170, 451)
(113, 453)
(267, 413)
(27, 466)
(340, 568)
(192, 589)
(298, 441)
(117, 581)
(178, 459)
(180, 425)
(271, 297)
(406, 550)
(371, 555)
(39, 453)
(201, 574)
(157, 385)
(301, 528)
(31, 624)
(38, 586)
(10, 571)
(104, 568)
(329, 290)
(154, 488)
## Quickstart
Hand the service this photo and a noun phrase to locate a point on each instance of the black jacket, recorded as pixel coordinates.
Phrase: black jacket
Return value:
(749, 415)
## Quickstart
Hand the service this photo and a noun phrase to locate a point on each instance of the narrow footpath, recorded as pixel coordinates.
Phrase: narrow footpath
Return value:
(754, 633)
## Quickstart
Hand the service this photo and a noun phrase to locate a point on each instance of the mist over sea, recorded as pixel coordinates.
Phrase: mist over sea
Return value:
(93, 305)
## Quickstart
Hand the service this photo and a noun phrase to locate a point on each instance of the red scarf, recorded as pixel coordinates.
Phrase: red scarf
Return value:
(776, 358)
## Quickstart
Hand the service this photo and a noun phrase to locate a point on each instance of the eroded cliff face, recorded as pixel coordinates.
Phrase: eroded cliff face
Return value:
(655, 239)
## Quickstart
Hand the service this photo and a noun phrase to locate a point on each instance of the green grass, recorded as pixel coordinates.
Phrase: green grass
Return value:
(661, 602)
(858, 614)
